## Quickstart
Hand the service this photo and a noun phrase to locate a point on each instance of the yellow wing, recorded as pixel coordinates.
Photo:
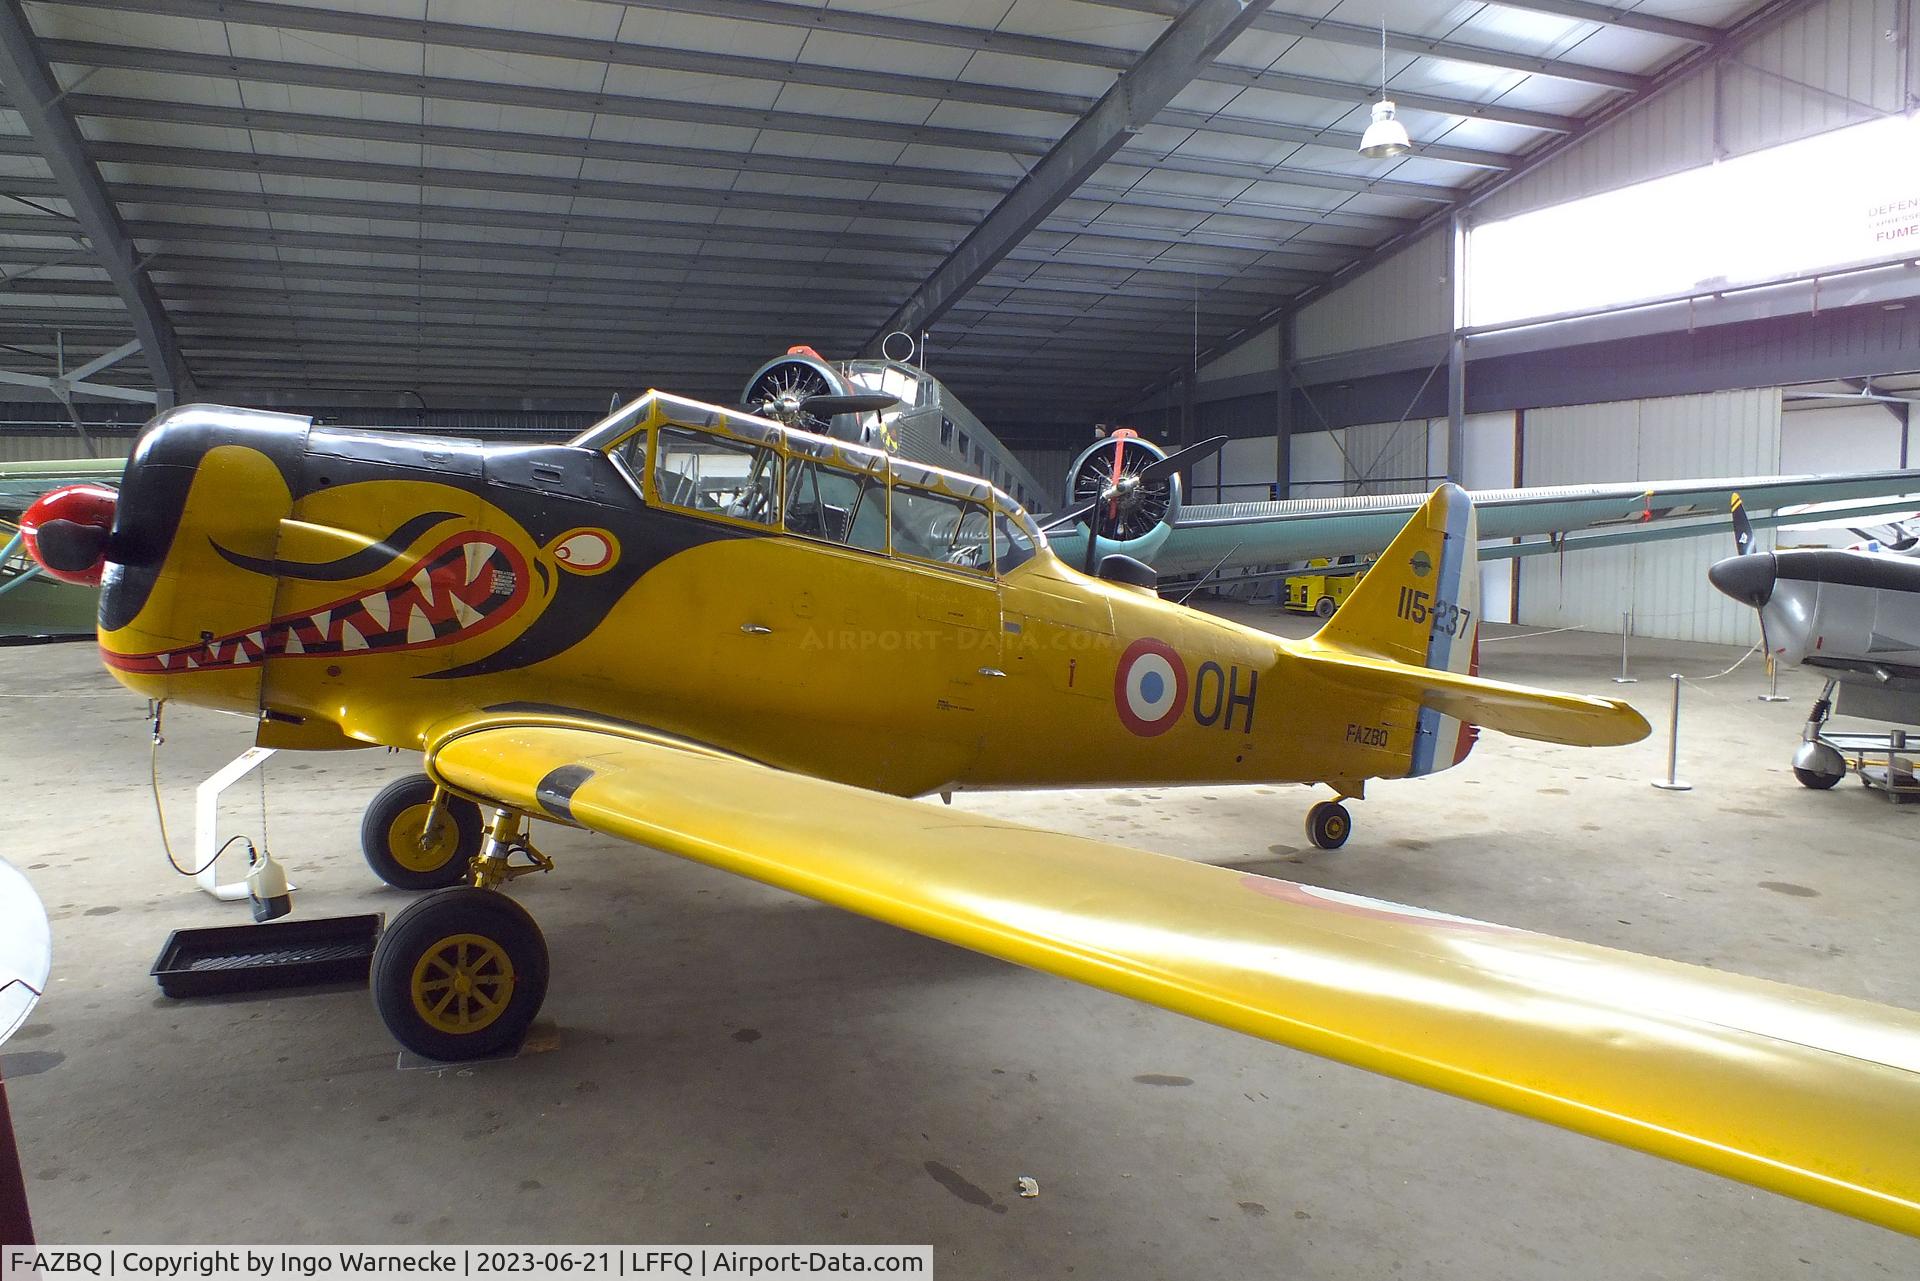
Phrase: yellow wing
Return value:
(1811, 1095)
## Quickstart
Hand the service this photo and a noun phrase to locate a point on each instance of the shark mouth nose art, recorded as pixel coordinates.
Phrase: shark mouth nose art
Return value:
(465, 586)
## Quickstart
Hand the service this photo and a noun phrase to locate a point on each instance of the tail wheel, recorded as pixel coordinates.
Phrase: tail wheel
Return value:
(400, 850)
(460, 974)
(1329, 825)
(1324, 607)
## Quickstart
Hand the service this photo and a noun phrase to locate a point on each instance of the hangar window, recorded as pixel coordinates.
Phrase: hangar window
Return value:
(715, 476)
(946, 433)
(837, 505)
(940, 529)
(965, 443)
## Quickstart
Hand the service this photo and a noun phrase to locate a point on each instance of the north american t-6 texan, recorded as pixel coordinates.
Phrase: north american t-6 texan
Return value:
(734, 641)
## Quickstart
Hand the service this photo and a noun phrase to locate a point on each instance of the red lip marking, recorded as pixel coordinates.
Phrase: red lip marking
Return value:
(468, 584)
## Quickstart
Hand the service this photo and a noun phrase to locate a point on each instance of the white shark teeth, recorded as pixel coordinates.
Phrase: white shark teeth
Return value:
(478, 554)
(419, 629)
(350, 637)
(379, 609)
(466, 613)
(293, 643)
(423, 583)
(322, 619)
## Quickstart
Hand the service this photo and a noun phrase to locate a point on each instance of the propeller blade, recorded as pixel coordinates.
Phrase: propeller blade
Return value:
(1743, 544)
(859, 403)
(1174, 462)
(1742, 527)
(1070, 515)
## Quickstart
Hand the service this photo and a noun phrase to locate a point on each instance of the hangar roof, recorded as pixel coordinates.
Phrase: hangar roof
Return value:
(485, 201)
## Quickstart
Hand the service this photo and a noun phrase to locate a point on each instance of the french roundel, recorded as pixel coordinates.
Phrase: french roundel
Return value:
(1150, 687)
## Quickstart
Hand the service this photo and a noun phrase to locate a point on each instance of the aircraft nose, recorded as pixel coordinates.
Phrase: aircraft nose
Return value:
(1748, 579)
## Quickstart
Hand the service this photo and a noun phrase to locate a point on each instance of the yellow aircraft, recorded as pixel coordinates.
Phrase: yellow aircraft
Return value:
(747, 645)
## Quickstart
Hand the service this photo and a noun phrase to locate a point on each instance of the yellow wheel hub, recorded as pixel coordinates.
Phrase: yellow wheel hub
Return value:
(405, 839)
(462, 984)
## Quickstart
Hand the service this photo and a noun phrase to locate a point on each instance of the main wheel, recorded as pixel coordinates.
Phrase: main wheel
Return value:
(1324, 607)
(1818, 765)
(460, 974)
(393, 836)
(1329, 825)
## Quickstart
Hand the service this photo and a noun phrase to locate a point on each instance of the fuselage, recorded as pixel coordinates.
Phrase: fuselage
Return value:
(706, 575)
(1827, 606)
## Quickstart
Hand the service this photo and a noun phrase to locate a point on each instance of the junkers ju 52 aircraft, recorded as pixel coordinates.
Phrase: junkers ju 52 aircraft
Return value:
(748, 645)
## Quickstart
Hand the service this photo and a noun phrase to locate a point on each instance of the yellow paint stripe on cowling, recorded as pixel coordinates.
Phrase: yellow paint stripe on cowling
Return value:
(1807, 1094)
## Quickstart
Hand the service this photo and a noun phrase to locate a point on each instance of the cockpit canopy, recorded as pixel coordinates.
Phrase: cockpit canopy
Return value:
(734, 467)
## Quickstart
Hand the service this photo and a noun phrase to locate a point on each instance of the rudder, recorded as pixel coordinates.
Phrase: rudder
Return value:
(1419, 604)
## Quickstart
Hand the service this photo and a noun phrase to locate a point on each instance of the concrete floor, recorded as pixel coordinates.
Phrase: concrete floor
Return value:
(730, 1063)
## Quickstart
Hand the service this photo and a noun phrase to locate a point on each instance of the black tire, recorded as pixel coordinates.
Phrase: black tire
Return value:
(480, 935)
(401, 805)
(1817, 781)
(1324, 607)
(1329, 825)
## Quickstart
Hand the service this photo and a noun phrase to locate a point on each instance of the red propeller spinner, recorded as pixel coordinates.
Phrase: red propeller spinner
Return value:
(66, 529)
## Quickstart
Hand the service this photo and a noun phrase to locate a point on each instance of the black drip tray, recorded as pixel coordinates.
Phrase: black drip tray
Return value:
(254, 958)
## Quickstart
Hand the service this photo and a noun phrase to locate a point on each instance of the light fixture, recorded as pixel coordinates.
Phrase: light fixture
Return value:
(1386, 136)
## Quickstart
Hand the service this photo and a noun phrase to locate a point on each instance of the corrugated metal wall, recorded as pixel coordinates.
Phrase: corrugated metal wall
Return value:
(1773, 92)
(1828, 434)
(1257, 355)
(1663, 585)
(1243, 471)
(1832, 65)
(1406, 296)
(1319, 464)
(28, 447)
(1396, 458)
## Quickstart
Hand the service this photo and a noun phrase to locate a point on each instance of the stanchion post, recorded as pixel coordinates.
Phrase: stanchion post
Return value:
(1626, 630)
(1672, 783)
(1773, 694)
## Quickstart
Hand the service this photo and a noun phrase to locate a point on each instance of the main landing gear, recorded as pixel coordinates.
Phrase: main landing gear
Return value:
(461, 973)
(1816, 762)
(1329, 825)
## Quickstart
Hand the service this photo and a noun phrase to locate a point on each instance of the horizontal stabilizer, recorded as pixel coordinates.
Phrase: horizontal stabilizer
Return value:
(1520, 710)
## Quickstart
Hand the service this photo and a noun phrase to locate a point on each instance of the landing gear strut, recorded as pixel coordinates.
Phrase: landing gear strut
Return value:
(1816, 763)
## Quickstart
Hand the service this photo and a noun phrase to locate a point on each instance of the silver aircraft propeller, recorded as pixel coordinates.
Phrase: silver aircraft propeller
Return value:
(1749, 575)
(1124, 492)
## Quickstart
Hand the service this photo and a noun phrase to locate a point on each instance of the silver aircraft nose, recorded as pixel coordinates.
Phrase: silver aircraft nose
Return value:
(1748, 579)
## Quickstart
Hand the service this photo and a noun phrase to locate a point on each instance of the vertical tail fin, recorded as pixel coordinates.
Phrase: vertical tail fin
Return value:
(1419, 604)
